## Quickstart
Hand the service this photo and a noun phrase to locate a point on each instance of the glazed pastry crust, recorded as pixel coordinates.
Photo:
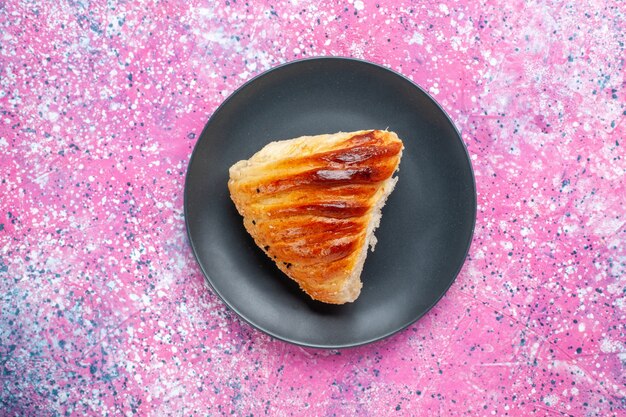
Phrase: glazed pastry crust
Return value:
(312, 204)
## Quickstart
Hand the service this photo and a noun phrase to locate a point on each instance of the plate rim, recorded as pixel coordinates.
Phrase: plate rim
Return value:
(396, 329)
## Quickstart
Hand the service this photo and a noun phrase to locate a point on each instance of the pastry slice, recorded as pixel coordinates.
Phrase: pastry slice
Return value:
(312, 205)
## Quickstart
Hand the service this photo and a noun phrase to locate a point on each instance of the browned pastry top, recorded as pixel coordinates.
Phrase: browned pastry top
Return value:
(307, 202)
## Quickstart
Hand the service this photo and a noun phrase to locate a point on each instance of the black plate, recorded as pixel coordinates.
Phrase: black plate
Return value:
(427, 224)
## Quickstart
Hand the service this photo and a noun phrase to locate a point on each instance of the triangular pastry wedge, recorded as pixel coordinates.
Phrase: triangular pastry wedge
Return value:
(312, 205)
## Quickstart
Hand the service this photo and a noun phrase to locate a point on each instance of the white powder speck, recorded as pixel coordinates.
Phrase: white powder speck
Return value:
(581, 327)
(444, 9)
(358, 4)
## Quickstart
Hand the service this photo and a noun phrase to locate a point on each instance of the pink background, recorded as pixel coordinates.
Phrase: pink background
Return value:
(104, 310)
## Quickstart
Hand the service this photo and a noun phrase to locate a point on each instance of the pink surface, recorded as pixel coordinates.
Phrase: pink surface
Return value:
(104, 310)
